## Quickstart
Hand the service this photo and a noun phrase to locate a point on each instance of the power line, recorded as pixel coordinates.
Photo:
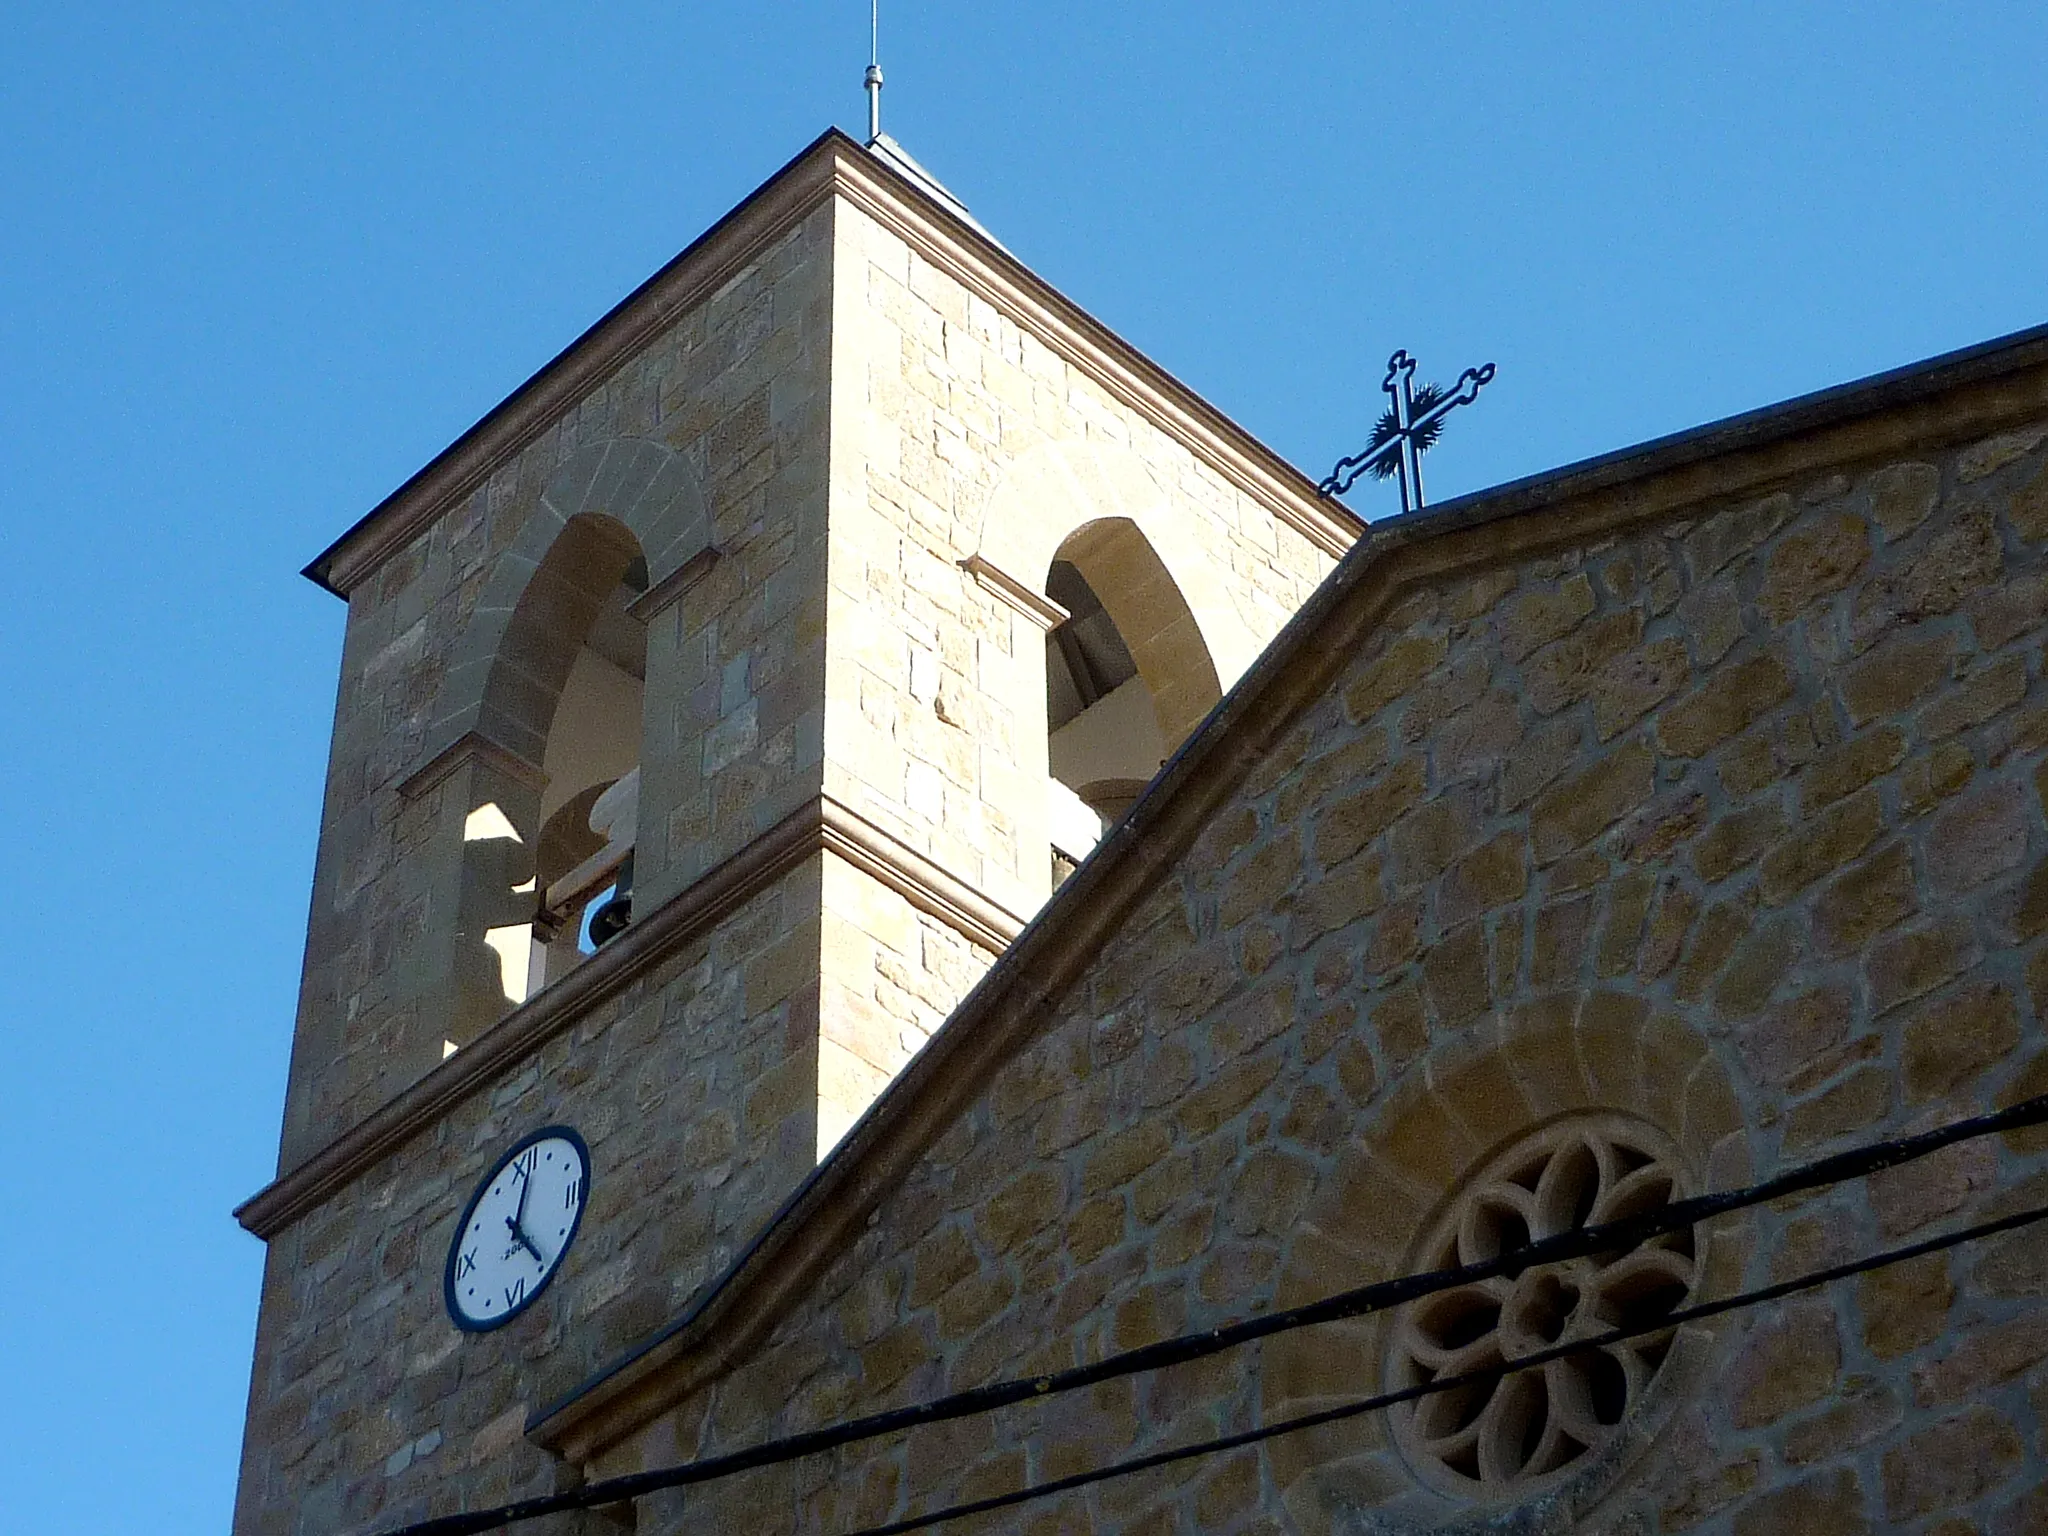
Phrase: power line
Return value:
(1452, 1383)
(1629, 1232)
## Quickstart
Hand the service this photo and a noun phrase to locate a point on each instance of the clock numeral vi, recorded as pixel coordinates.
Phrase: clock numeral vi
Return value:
(515, 1293)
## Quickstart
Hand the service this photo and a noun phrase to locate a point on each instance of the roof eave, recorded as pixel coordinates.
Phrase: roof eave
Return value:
(528, 395)
(2010, 376)
(831, 163)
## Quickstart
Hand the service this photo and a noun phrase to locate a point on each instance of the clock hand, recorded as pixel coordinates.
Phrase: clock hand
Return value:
(517, 1220)
(519, 1236)
(525, 1189)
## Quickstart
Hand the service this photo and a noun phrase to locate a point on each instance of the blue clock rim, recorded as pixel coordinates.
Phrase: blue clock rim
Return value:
(567, 1133)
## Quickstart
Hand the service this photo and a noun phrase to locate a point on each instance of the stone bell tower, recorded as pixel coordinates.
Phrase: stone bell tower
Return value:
(712, 714)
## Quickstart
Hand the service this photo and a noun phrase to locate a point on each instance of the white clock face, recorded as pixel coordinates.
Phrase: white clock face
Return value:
(519, 1224)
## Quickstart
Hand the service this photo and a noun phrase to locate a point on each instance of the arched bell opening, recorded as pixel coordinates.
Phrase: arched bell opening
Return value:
(566, 691)
(591, 802)
(1128, 677)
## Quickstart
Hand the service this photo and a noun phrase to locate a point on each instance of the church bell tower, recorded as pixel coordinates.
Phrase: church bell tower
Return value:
(712, 714)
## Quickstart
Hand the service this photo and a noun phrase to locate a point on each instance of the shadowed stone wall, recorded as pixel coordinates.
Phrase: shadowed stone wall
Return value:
(699, 1082)
(1735, 823)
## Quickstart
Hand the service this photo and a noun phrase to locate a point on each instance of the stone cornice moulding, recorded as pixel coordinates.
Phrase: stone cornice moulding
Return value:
(831, 164)
(991, 578)
(822, 825)
(470, 746)
(1931, 406)
(927, 886)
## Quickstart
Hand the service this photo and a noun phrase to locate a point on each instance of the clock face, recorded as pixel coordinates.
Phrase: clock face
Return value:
(518, 1227)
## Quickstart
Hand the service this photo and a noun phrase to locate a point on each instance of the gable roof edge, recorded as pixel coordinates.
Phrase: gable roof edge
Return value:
(1946, 399)
(831, 164)
(728, 245)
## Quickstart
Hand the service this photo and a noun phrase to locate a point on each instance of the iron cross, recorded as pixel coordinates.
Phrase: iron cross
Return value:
(1407, 429)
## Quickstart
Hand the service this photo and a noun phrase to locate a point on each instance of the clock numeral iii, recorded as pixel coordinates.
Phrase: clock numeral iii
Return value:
(572, 1194)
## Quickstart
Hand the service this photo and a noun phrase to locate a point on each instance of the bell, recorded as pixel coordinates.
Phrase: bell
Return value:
(610, 920)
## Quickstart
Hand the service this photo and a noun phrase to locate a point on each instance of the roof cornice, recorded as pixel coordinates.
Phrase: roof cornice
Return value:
(832, 164)
(770, 211)
(963, 252)
(1947, 400)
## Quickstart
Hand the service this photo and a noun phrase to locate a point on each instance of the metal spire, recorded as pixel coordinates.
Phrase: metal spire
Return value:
(874, 75)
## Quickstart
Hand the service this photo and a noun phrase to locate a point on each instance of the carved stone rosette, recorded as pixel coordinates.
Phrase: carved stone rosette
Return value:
(1513, 1433)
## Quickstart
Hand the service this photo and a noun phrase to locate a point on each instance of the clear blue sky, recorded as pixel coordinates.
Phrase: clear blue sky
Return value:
(258, 263)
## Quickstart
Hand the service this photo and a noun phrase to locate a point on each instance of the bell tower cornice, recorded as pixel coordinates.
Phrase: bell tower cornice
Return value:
(833, 165)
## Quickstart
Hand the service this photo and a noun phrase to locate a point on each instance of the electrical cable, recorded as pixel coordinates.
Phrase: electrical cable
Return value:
(1628, 1232)
(1452, 1383)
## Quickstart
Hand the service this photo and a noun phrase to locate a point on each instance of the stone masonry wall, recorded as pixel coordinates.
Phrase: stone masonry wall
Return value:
(928, 734)
(887, 974)
(694, 1090)
(1735, 822)
(707, 1089)
(935, 713)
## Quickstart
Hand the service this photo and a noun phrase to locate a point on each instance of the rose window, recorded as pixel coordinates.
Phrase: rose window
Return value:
(1506, 1434)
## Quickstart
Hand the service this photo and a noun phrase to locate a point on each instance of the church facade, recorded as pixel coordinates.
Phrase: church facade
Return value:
(975, 867)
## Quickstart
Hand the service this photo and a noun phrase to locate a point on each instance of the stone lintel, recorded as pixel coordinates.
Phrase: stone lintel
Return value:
(1035, 606)
(672, 587)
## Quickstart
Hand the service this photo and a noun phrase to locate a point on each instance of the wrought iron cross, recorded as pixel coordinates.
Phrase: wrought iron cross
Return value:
(1407, 429)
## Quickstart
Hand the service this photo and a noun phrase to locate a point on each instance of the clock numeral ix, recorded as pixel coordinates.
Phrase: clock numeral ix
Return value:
(465, 1264)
